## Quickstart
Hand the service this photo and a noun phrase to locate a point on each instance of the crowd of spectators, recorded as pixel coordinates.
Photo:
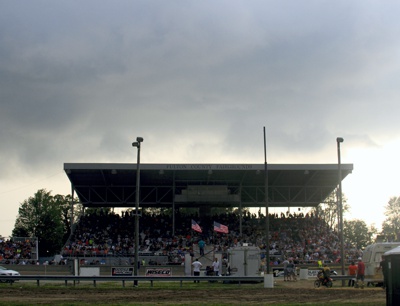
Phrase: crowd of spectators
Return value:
(103, 233)
(304, 238)
(17, 251)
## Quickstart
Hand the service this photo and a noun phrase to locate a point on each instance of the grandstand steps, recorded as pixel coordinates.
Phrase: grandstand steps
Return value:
(208, 257)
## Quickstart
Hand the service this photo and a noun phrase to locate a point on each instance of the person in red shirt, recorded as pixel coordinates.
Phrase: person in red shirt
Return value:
(352, 272)
(360, 273)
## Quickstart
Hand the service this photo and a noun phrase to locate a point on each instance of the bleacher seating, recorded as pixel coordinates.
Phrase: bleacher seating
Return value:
(303, 238)
(18, 251)
(103, 234)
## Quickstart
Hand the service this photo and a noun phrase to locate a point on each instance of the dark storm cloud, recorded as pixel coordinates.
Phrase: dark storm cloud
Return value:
(79, 80)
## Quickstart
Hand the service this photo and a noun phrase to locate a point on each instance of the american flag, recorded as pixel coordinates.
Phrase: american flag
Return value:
(196, 227)
(220, 228)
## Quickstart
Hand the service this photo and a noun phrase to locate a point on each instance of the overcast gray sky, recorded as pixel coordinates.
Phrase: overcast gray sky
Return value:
(79, 80)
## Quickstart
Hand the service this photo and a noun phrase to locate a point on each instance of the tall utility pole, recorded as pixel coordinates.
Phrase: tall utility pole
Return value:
(137, 143)
(266, 202)
(339, 140)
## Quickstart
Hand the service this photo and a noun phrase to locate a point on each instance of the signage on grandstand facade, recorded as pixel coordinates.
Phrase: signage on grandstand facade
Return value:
(161, 272)
(210, 167)
(121, 271)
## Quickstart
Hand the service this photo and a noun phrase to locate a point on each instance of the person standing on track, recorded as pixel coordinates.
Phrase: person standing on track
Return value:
(291, 271)
(383, 267)
(352, 272)
(285, 270)
(196, 269)
(216, 266)
(360, 273)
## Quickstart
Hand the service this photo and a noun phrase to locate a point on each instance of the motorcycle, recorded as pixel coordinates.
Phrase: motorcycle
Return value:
(322, 281)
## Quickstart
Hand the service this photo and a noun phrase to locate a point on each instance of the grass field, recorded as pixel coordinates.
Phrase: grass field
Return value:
(203, 293)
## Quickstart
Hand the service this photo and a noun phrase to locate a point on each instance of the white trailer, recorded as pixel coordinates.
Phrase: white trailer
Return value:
(372, 256)
(244, 261)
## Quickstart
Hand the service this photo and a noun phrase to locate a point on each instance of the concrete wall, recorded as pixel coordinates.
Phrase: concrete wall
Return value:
(68, 269)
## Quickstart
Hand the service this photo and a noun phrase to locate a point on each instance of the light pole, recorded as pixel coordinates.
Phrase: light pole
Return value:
(339, 140)
(266, 203)
(137, 143)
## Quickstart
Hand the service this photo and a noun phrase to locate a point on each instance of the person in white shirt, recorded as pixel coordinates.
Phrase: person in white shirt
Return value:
(196, 269)
(216, 267)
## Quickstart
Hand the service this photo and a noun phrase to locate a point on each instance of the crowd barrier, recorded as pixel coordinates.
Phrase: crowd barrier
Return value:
(140, 279)
(124, 279)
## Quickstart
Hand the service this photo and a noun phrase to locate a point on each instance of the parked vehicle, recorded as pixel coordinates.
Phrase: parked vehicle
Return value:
(5, 271)
(372, 256)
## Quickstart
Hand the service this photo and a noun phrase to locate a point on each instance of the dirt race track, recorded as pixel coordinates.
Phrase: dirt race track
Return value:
(283, 293)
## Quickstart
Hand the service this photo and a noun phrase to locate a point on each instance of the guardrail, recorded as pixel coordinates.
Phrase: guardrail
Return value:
(124, 279)
(342, 277)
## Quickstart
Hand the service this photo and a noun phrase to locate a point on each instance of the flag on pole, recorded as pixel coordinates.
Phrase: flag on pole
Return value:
(196, 227)
(220, 228)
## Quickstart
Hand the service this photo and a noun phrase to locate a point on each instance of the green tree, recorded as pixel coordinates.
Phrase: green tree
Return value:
(328, 211)
(45, 217)
(357, 233)
(64, 203)
(391, 225)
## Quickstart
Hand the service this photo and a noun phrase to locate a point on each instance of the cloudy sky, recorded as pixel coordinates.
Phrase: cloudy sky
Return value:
(198, 80)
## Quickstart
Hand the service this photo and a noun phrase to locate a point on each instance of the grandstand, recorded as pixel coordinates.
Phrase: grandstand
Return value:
(104, 237)
(164, 239)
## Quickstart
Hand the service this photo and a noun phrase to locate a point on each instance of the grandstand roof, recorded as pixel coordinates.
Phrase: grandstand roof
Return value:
(195, 185)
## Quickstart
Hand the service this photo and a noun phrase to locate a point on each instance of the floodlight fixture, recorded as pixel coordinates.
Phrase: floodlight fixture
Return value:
(339, 140)
(135, 267)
